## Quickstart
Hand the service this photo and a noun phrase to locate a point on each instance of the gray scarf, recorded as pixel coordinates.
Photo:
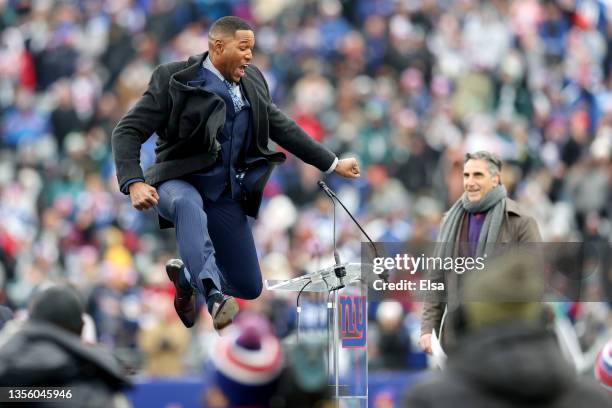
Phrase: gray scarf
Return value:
(493, 202)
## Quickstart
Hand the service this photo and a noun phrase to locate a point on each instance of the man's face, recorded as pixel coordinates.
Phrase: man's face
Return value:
(477, 179)
(233, 54)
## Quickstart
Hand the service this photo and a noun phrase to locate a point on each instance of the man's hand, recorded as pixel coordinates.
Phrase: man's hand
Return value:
(425, 343)
(143, 195)
(348, 168)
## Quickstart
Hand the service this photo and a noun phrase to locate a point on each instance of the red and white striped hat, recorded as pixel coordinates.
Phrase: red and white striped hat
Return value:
(248, 359)
(603, 367)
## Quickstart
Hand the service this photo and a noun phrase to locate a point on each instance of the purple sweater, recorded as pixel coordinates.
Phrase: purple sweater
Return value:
(475, 222)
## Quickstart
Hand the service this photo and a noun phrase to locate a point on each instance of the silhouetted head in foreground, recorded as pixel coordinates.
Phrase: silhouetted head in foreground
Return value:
(59, 306)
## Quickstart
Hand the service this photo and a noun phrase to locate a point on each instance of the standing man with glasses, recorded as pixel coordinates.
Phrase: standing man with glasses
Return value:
(214, 117)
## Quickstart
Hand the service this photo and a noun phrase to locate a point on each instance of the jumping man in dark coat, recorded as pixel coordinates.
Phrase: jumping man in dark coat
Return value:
(213, 116)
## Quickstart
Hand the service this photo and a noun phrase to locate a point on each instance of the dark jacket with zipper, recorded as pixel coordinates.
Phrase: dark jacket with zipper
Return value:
(187, 120)
(40, 354)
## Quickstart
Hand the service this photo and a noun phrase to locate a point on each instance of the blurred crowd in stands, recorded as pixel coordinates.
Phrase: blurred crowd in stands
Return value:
(407, 86)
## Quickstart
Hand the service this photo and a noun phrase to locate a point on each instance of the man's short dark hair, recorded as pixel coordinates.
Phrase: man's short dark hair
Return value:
(228, 25)
(493, 161)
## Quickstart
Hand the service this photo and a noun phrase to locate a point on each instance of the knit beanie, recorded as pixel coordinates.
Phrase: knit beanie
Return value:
(603, 367)
(509, 288)
(248, 360)
(60, 306)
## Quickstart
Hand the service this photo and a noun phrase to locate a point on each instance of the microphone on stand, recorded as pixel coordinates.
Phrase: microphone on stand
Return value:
(384, 275)
(327, 190)
(339, 269)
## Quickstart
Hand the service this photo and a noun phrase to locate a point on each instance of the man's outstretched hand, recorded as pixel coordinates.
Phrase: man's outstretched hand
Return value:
(348, 168)
(143, 195)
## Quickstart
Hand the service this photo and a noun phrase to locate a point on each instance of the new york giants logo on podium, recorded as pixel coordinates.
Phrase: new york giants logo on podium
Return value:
(352, 321)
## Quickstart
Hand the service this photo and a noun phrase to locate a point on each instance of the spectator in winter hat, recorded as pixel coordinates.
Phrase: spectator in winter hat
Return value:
(247, 360)
(47, 351)
(506, 356)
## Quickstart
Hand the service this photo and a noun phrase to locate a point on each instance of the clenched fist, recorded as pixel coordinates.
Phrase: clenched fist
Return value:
(348, 168)
(143, 195)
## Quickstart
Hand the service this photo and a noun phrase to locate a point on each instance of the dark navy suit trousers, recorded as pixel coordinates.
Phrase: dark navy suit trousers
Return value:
(214, 238)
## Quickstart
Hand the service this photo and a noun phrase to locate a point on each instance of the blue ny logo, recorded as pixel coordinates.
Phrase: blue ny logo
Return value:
(353, 321)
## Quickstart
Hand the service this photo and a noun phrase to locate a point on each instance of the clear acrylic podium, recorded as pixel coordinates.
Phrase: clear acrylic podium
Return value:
(347, 353)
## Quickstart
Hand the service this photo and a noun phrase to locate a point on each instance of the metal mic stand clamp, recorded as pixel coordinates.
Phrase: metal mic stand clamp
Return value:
(340, 272)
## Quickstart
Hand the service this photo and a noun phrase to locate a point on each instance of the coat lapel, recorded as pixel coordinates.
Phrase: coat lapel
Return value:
(180, 79)
(251, 95)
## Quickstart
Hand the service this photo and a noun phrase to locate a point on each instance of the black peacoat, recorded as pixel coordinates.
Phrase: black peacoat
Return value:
(187, 120)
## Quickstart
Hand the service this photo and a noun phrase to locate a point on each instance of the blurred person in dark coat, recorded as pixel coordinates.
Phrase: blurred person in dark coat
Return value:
(506, 356)
(47, 351)
(214, 118)
(482, 217)
(393, 345)
(304, 380)
(64, 118)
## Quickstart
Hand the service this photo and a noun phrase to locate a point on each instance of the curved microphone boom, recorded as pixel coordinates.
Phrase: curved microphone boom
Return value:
(327, 190)
(334, 198)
